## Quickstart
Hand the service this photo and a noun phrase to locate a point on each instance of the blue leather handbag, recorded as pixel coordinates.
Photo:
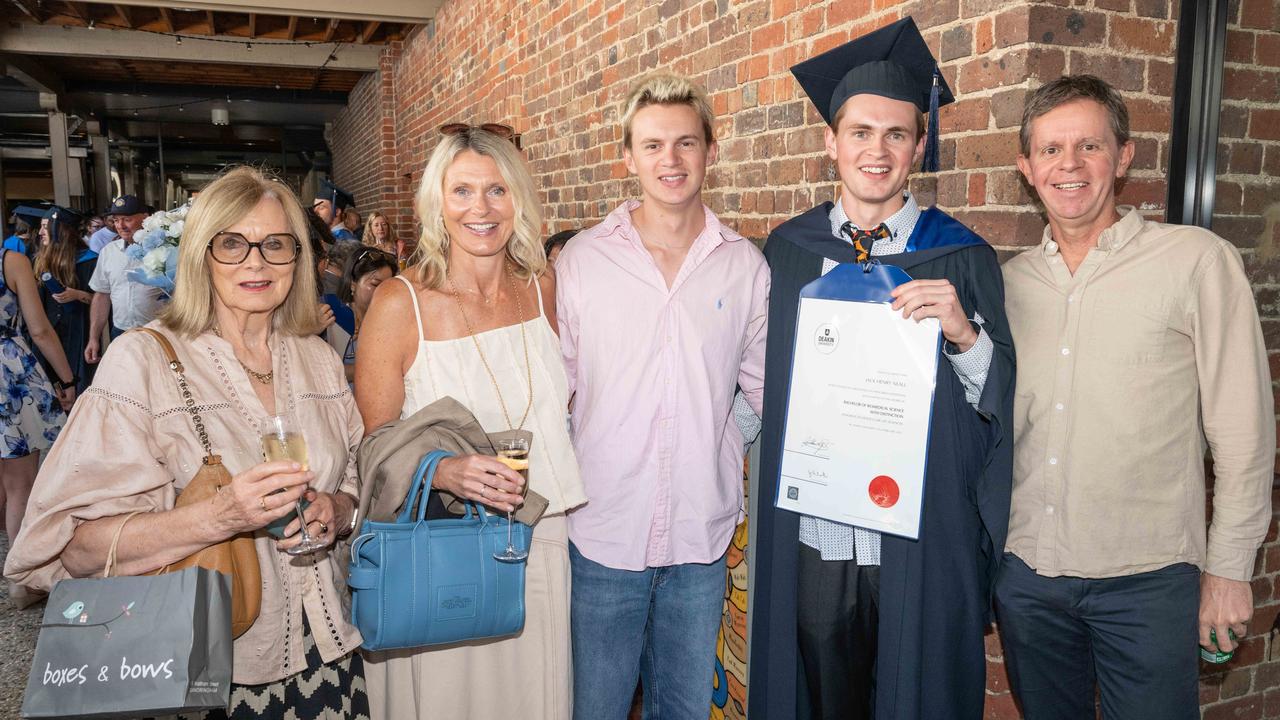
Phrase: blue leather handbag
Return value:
(417, 582)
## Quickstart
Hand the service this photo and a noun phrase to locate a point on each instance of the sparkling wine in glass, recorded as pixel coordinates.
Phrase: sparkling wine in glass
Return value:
(514, 453)
(282, 440)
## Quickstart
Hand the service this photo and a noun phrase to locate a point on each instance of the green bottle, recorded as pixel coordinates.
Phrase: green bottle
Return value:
(1217, 657)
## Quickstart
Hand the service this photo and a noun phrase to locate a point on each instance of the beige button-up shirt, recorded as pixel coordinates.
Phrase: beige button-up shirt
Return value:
(1125, 370)
(130, 445)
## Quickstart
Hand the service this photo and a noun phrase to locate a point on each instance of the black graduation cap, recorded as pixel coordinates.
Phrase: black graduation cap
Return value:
(341, 199)
(892, 62)
(32, 215)
(59, 215)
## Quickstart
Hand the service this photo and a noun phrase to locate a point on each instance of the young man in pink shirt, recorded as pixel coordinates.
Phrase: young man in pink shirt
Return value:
(662, 317)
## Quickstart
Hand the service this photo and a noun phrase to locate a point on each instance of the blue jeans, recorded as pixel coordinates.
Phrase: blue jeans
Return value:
(659, 624)
(1133, 640)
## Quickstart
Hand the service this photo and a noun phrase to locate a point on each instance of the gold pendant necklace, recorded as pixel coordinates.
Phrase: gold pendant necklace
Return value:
(264, 378)
(523, 341)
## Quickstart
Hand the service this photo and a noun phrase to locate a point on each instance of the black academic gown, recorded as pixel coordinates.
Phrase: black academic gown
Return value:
(71, 322)
(934, 592)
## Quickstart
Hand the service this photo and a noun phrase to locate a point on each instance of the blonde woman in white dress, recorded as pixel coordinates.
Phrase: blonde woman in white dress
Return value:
(474, 319)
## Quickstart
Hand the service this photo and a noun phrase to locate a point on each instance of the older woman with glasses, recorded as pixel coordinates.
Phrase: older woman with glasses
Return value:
(243, 323)
(474, 319)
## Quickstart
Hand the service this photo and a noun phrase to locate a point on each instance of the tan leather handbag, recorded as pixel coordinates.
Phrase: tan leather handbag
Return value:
(236, 557)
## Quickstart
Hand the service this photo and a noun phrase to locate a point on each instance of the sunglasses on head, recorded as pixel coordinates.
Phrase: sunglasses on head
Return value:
(506, 132)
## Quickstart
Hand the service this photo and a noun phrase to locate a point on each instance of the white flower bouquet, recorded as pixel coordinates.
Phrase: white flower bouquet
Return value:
(156, 246)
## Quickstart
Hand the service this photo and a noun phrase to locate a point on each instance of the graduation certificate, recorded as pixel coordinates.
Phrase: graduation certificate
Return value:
(859, 404)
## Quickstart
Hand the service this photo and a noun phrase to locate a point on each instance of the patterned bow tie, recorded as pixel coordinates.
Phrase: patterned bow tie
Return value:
(864, 240)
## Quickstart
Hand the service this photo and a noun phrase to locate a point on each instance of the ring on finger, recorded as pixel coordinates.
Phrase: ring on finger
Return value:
(263, 502)
(323, 528)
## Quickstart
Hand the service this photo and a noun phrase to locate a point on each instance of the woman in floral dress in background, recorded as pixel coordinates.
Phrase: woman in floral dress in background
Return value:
(31, 412)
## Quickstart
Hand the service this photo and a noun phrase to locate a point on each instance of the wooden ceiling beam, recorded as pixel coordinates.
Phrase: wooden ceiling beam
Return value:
(128, 71)
(167, 19)
(293, 27)
(213, 24)
(387, 11)
(77, 10)
(126, 15)
(253, 25)
(330, 30)
(370, 28)
(49, 39)
(27, 9)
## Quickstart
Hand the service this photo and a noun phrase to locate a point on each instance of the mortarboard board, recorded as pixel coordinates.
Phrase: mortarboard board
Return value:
(892, 62)
(64, 216)
(339, 198)
(32, 215)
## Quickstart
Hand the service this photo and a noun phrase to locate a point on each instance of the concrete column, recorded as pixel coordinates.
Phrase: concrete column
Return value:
(61, 166)
(129, 177)
(4, 199)
(101, 172)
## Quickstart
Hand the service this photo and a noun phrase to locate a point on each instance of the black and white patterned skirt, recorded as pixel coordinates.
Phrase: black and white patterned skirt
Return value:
(333, 691)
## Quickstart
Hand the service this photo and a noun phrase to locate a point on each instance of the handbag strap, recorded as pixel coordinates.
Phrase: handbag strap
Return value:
(176, 366)
(115, 541)
(421, 486)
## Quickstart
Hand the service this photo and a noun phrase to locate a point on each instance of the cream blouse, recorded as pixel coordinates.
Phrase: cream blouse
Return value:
(129, 444)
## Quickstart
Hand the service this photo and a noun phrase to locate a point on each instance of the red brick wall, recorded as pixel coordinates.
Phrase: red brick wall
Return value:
(363, 142)
(557, 69)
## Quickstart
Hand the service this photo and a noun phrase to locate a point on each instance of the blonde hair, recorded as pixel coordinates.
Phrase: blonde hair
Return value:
(225, 202)
(524, 249)
(368, 238)
(666, 89)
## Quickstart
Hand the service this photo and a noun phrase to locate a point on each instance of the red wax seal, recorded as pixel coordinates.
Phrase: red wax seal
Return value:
(883, 491)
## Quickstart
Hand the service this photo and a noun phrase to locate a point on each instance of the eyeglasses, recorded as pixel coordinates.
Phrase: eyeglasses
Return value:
(231, 248)
(367, 250)
(506, 132)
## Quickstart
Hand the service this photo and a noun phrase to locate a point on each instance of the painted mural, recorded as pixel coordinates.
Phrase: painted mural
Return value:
(729, 697)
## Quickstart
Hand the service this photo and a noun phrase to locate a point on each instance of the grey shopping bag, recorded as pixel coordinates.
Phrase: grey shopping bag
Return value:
(118, 647)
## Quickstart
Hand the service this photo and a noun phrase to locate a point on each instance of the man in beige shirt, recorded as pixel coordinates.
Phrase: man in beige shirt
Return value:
(1137, 343)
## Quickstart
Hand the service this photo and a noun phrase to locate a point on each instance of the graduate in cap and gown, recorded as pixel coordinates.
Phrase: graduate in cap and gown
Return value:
(69, 263)
(328, 206)
(850, 623)
(23, 240)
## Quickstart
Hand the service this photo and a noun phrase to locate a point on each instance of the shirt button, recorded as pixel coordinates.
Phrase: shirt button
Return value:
(1059, 406)
(1053, 461)
(1048, 509)
(1066, 351)
(1071, 298)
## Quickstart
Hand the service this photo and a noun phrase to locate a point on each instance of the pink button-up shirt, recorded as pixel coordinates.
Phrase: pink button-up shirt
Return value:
(653, 373)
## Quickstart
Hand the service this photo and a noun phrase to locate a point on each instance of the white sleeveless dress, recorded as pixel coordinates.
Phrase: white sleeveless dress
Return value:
(528, 676)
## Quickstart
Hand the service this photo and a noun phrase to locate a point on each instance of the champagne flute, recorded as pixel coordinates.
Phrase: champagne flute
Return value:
(514, 453)
(282, 440)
